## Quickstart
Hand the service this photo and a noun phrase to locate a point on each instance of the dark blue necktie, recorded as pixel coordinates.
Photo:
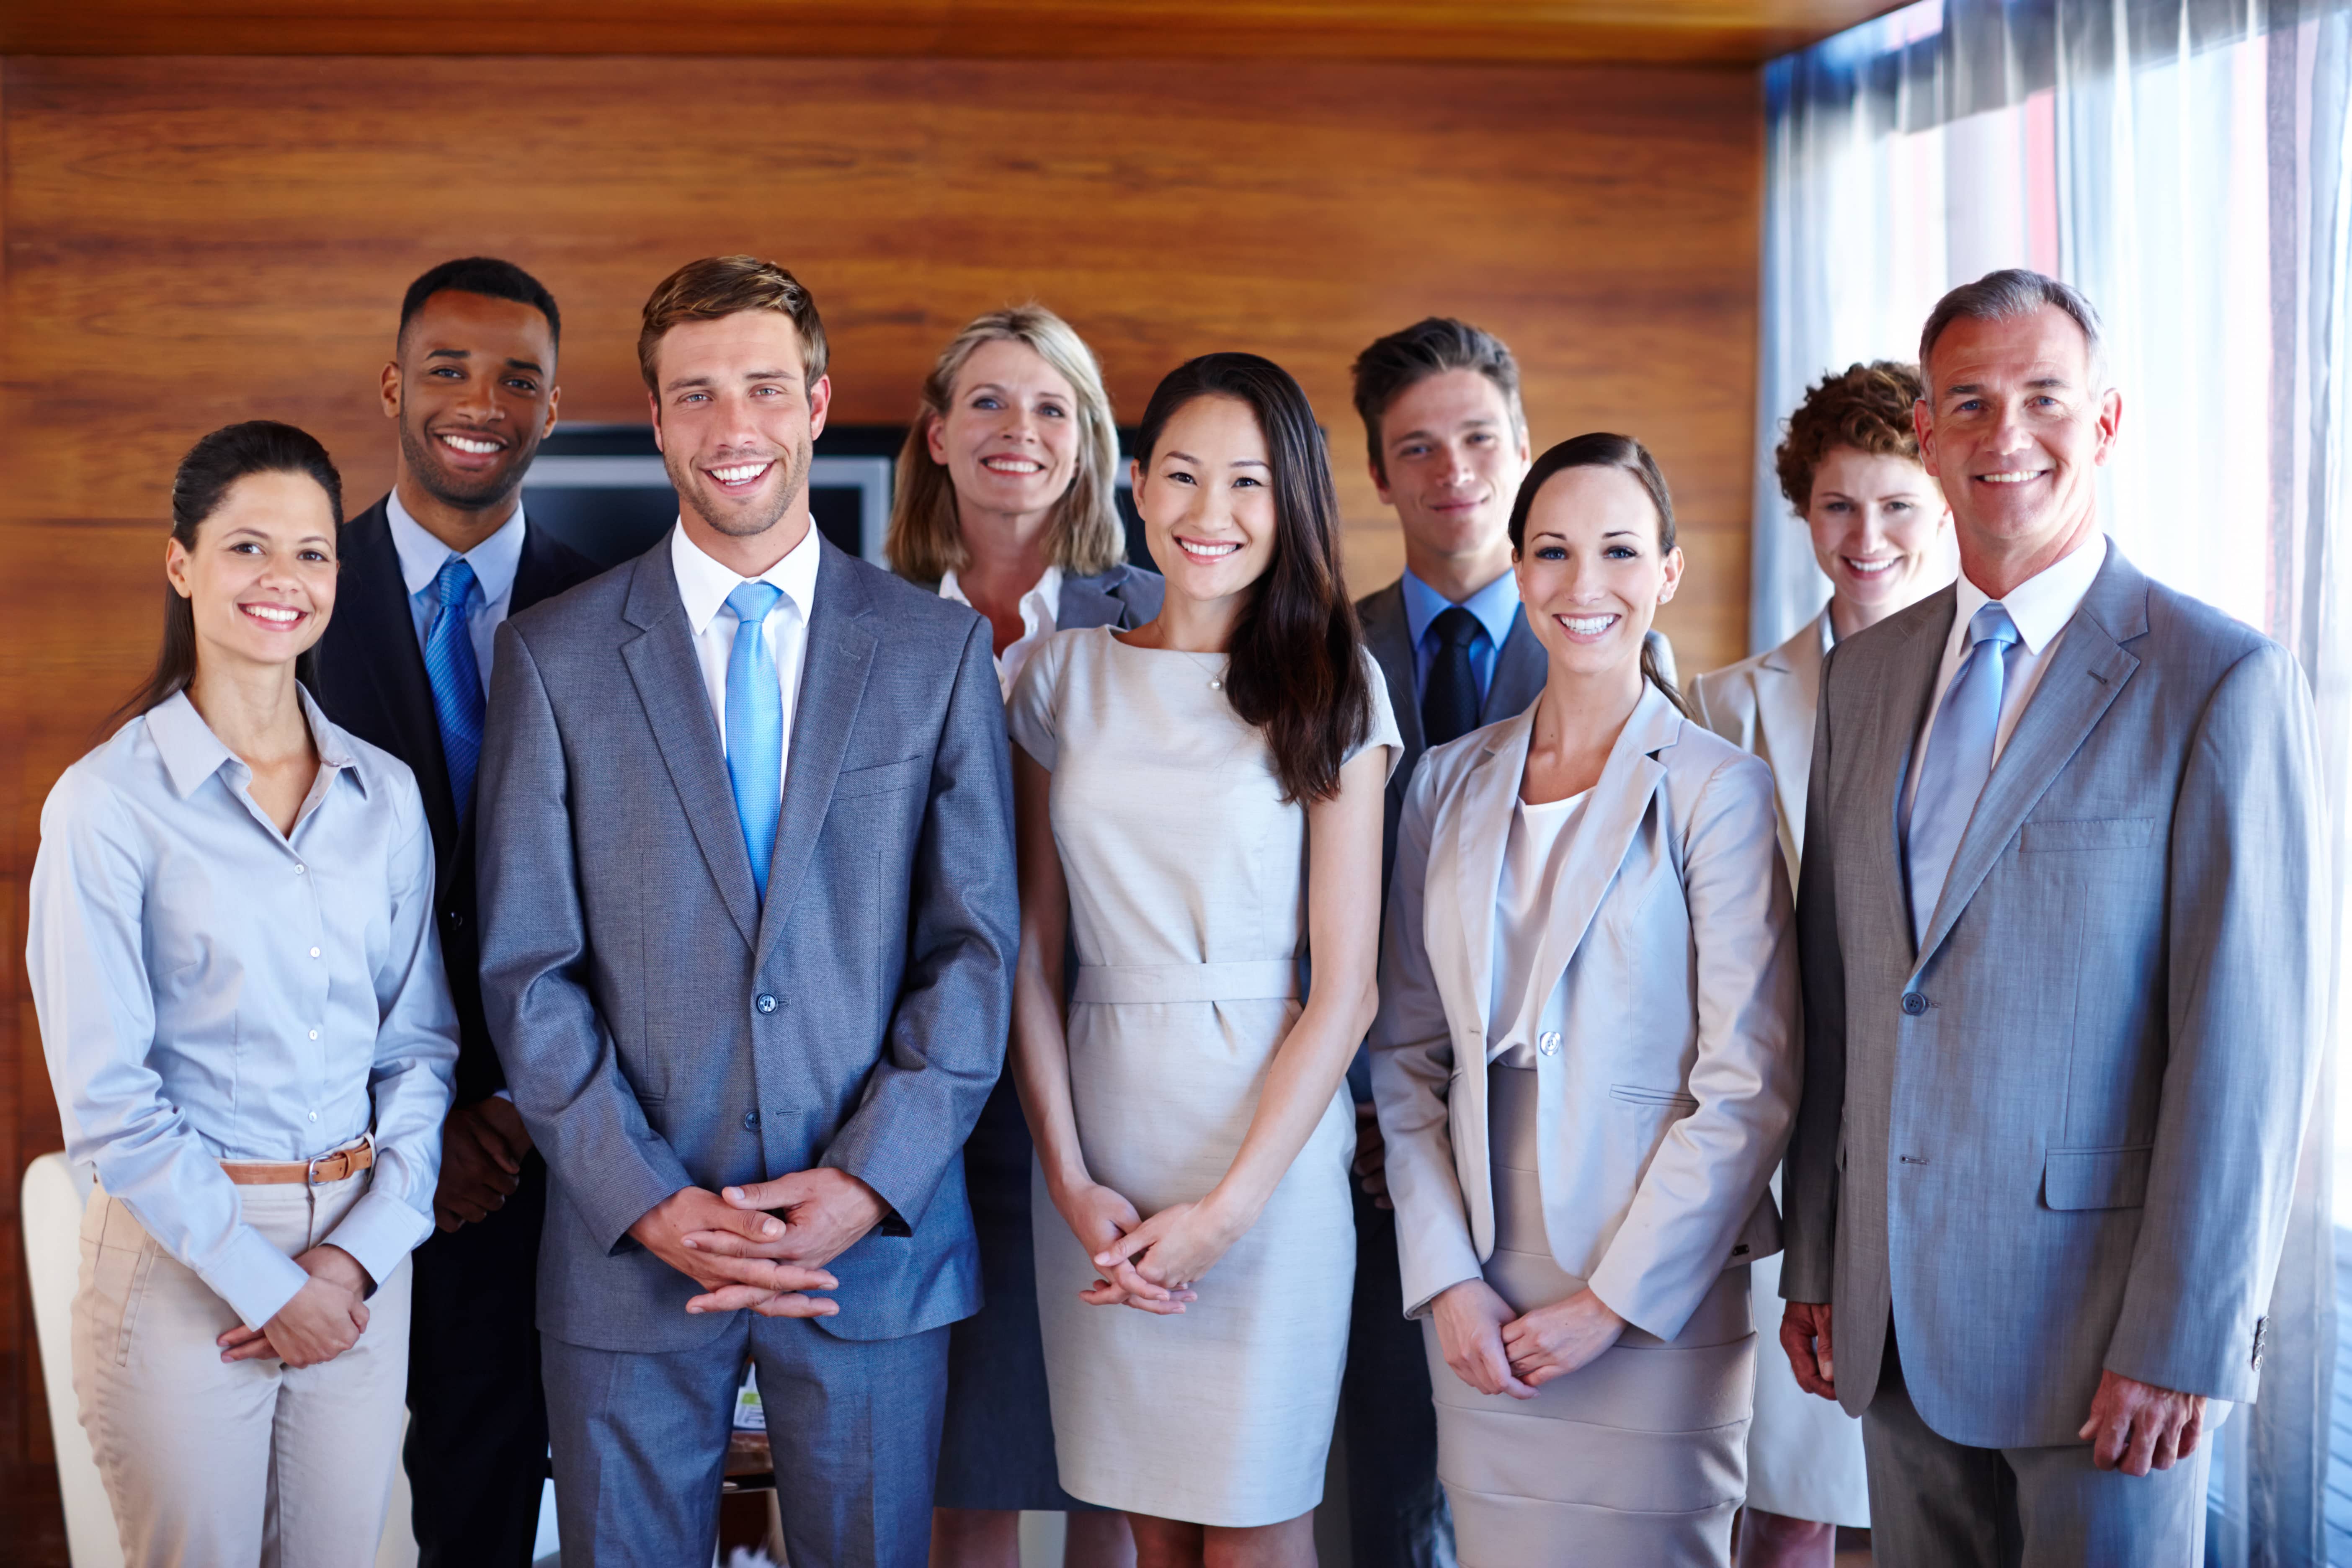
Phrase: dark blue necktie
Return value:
(455, 678)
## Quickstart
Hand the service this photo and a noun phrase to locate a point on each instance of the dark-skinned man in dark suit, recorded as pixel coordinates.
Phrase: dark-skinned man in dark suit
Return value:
(428, 573)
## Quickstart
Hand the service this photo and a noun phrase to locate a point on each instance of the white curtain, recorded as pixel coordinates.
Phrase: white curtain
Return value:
(2185, 163)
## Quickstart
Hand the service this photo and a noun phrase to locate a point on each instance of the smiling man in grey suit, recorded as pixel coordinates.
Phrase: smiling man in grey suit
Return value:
(749, 923)
(2062, 936)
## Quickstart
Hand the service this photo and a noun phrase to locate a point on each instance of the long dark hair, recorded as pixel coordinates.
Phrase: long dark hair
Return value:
(1297, 668)
(1601, 449)
(206, 475)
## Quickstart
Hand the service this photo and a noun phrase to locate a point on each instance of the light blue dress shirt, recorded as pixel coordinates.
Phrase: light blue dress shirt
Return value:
(495, 562)
(210, 989)
(1496, 606)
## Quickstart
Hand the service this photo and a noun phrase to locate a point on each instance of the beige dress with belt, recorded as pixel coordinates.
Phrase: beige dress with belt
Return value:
(1187, 875)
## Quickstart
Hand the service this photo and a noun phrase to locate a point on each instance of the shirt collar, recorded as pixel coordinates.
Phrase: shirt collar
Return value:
(192, 754)
(704, 584)
(1039, 606)
(1496, 606)
(422, 556)
(2041, 604)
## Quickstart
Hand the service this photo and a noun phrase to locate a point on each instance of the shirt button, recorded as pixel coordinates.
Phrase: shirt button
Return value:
(1549, 1042)
(1914, 1004)
(299, 870)
(314, 952)
(751, 1120)
(314, 1116)
(765, 1003)
(314, 1034)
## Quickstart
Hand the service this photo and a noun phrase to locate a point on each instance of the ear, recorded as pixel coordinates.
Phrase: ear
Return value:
(1674, 569)
(653, 408)
(935, 439)
(388, 386)
(820, 398)
(2111, 424)
(175, 567)
(1380, 481)
(554, 396)
(1923, 425)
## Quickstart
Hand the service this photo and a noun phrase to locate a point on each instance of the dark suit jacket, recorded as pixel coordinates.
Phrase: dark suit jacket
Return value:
(369, 675)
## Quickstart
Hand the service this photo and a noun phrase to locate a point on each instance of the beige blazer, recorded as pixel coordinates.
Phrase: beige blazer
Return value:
(1666, 1101)
(1764, 705)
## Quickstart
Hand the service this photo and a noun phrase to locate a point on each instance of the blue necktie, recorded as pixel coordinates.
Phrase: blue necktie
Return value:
(755, 727)
(1958, 762)
(455, 678)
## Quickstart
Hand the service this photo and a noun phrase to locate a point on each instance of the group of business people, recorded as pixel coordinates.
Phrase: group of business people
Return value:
(1079, 1032)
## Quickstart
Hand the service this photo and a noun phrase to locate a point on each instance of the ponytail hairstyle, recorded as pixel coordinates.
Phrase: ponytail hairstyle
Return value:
(1601, 449)
(1296, 663)
(211, 467)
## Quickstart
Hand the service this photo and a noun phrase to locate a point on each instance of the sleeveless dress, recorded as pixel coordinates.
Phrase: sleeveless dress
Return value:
(1187, 875)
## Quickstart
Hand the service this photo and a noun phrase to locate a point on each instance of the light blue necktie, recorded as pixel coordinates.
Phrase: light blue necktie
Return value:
(1958, 762)
(755, 727)
(455, 678)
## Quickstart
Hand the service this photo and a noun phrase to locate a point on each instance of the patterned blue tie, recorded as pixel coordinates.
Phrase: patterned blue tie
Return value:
(455, 678)
(1958, 762)
(755, 727)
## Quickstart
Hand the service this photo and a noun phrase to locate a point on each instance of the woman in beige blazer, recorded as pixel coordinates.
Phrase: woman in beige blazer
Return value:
(1585, 1064)
(1882, 535)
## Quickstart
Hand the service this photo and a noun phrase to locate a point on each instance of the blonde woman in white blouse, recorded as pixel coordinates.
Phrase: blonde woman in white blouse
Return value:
(1585, 1065)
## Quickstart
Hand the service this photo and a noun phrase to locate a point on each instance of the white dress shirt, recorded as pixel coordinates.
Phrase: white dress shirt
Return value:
(1037, 608)
(703, 586)
(494, 562)
(211, 989)
(2040, 607)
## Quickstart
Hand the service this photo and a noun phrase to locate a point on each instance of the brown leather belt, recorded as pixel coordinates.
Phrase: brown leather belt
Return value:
(335, 1167)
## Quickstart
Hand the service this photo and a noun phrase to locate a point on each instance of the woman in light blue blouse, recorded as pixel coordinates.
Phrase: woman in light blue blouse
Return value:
(242, 1003)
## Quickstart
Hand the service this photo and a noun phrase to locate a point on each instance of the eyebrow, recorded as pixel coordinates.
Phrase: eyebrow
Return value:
(1969, 388)
(686, 382)
(247, 530)
(1476, 422)
(512, 362)
(1237, 462)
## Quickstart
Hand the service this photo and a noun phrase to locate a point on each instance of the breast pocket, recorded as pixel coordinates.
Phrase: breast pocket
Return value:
(2086, 833)
(882, 778)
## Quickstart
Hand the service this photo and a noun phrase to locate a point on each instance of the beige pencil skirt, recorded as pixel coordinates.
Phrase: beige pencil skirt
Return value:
(1640, 1457)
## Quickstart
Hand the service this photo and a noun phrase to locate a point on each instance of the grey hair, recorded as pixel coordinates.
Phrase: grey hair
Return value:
(2005, 296)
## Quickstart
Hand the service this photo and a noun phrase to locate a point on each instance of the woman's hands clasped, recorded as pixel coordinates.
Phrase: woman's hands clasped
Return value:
(1103, 1221)
(325, 1318)
(1495, 1350)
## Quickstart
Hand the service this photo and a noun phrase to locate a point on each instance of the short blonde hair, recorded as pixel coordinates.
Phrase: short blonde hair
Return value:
(925, 541)
(719, 286)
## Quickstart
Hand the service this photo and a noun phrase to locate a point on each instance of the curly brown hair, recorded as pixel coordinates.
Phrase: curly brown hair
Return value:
(1866, 406)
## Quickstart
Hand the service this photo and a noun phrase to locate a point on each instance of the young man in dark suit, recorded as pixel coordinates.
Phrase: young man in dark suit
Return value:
(428, 573)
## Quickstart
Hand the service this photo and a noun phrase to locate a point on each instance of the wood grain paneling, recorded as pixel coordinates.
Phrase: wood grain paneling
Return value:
(1681, 32)
(192, 241)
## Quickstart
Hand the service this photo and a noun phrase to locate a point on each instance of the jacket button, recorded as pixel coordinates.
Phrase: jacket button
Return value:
(750, 1122)
(765, 1003)
(1549, 1042)
(457, 918)
(1914, 1004)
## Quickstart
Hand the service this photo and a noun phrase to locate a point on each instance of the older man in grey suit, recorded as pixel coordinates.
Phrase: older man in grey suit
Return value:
(2062, 941)
(749, 917)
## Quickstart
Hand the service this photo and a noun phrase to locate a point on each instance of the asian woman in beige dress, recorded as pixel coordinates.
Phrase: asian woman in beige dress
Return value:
(1882, 535)
(1586, 1065)
(1199, 806)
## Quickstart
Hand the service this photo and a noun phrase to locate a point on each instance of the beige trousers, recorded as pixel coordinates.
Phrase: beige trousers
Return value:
(217, 1465)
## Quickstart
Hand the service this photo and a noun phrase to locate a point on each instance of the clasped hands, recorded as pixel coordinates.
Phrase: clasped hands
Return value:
(325, 1318)
(2133, 1426)
(762, 1245)
(1497, 1351)
(1153, 1264)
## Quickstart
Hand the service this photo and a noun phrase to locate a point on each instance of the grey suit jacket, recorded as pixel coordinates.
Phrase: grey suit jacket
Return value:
(1125, 597)
(658, 1027)
(2061, 1135)
(1765, 706)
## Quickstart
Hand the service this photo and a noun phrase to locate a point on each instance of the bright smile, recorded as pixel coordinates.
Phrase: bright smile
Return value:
(2012, 477)
(1206, 551)
(1587, 629)
(740, 479)
(1006, 464)
(274, 617)
(1876, 566)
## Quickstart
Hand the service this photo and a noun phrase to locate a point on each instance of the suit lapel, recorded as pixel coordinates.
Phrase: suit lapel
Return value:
(834, 667)
(1788, 688)
(1519, 669)
(377, 619)
(1385, 633)
(1885, 738)
(668, 678)
(1085, 603)
(1478, 826)
(2088, 671)
(1620, 800)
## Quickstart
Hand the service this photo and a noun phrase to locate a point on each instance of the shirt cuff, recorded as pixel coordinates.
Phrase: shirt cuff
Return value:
(507, 1094)
(379, 1231)
(255, 1278)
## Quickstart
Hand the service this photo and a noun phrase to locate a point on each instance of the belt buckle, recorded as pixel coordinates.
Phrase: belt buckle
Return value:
(311, 1169)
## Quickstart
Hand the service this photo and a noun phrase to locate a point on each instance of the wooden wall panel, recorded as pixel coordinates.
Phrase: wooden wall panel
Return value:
(193, 241)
